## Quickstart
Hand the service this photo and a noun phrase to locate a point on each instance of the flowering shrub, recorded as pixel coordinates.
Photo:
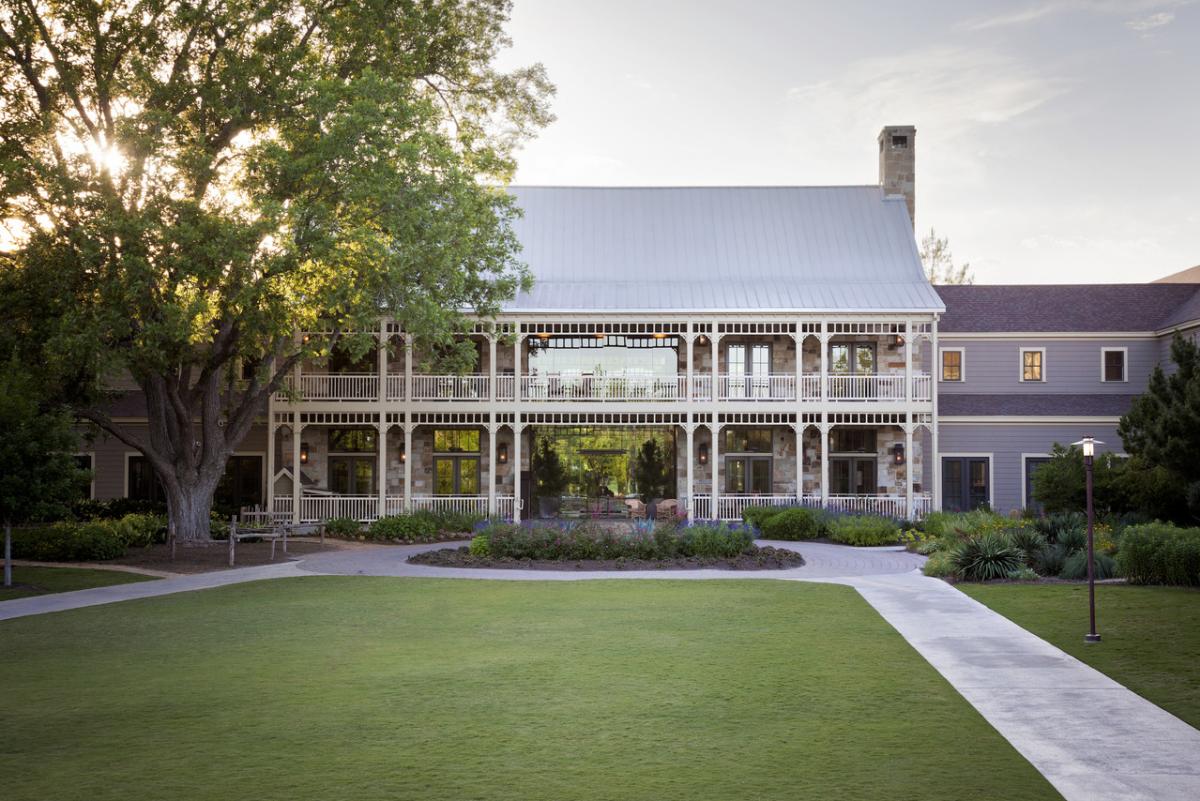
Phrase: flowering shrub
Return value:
(577, 541)
(421, 526)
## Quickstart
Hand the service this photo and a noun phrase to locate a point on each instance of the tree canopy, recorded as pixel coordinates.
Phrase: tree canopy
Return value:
(938, 261)
(185, 185)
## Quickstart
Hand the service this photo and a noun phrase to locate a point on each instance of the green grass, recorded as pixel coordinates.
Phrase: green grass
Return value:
(1151, 635)
(366, 688)
(43, 580)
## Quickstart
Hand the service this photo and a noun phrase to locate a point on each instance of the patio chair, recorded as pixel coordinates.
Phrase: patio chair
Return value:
(667, 508)
(637, 509)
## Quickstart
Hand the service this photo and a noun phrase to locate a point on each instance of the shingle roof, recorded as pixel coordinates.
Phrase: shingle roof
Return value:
(1033, 405)
(1067, 307)
(845, 248)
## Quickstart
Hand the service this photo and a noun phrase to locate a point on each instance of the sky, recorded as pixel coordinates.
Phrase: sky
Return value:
(1057, 141)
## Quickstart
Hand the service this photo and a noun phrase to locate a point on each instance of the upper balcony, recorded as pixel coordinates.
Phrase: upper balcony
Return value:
(552, 387)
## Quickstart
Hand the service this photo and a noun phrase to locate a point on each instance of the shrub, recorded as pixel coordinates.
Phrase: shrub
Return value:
(863, 530)
(1072, 540)
(1075, 567)
(964, 524)
(421, 526)
(757, 516)
(1029, 542)
(68, 541)
(940, 565)
(796, 523)
(1159, 553)
(716, 540)
(986, 557)
(480, 545)
(1051, 526)
(580, 541)
(116, 508)
(343, 527)
(1023, 574)
(1050, 559)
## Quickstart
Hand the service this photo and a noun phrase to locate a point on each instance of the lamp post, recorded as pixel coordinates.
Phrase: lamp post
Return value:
(1088, 444)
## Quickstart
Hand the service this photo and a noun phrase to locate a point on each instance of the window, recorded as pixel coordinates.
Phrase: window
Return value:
(1033, 364)
(952, 364)
(853, 476)
(1112, 364)
(87, 484)
(749, 368)
(349, 472)
(242, 483)
(747, 440)
(852, 440)
(852, 359)
(352, 440)
(141, 481)
(748, 475)
(966, 483)
(456, 474)
(1032, 464)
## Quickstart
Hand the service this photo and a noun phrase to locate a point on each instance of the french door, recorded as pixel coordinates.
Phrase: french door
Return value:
(966, 483)
(749, 369)
(748, 475)
(456, 475)
(352, 475)
(853, 475)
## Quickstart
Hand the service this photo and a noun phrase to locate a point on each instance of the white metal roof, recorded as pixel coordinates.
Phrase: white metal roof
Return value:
(677, 249)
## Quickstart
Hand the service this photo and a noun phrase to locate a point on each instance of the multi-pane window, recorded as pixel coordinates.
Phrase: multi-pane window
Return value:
(1113, 364)
(850, 439)
(952, 365)
(1033, 364)
(142, 481)
(83, 461)
(456, 461)
(352, 440)
(749, 370)
(349, 472)
(747, 440)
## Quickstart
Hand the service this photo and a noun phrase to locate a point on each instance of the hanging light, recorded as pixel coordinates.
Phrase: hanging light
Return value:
(898, 453)
(303, 453)
(502, 453)
(403, 454)
(703, 453)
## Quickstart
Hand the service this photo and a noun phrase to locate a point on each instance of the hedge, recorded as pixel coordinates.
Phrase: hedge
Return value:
(1160, 553)
(580, 541)
(863, 530)
(421, 526)
(796, 523)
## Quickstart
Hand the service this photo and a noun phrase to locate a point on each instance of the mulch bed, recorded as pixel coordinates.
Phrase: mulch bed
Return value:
(206, 558)
(765, 558)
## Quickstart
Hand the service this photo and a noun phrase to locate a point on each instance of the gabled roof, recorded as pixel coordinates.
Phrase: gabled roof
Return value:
(840, 248)
(1067, 307)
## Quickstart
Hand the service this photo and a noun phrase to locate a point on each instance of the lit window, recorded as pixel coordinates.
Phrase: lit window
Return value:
(1033, 365)
(952, 363)
(1114, 364)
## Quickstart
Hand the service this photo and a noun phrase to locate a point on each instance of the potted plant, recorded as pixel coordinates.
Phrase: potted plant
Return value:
(549, 478)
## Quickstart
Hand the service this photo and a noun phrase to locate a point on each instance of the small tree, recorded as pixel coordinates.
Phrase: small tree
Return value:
(549, 475)
(939, 262)
(38, 476)
(650, 471)
(1061, 486)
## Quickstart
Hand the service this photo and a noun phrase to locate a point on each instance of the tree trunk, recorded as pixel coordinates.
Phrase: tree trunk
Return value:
(7, 553)
(188, 508)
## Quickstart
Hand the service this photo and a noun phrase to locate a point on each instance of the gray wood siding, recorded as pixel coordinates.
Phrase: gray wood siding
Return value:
(1007, 442)
(1071, 366)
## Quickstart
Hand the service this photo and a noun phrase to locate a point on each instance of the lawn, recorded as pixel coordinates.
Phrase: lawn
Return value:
(364, 688)
(42, 580)
(1151, 635)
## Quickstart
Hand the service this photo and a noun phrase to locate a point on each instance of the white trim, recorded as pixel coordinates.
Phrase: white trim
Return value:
(1124, 365)
(1025, 474)
(1111, 336)
(991, 471)
(962, 365)
(1026, 421)
(91, 455)
(1021, 365)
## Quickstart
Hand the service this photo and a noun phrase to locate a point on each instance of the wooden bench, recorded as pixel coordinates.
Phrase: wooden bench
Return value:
(272, 533)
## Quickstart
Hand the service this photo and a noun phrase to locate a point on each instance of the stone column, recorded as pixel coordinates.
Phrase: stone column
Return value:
(517, 363)
(381, 364)
(715, 341)
(408, 457)
(908, 467)
(825, 429)
(824, 363)
(908, 362)
(687, 394)
(381, 480)
(408, 374)
(492, 374)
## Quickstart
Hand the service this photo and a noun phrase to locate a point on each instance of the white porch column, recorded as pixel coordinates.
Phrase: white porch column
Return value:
(517, 362)
(381, 363)
(824, 362)
(516, 467)
(798, 339)
(687, 394)
(825, 428)
(297, 432)
(715, 340)
(492, 373)
(908, 468)
(491, 493)
(715, 430)
(933, 427)
(408, 457)
(269, 495)
(691, 451)
(908, 361)
(408, 372)
(799, 457)
(382, 480)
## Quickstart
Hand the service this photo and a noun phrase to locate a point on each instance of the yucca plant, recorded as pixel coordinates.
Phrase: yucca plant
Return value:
(986, 557)
(1028, 541)
(1050, 560)
(1075, 568)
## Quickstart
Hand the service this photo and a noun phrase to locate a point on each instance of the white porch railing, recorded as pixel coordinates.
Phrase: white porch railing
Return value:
(450, 387)
(884, 505)
(395, 386)
(703, 507)
(882, 386)
(757, 387)
(504, 386)
(730, 507)
(605, 387)
(471, 504)
(334, 386)
(810, 387)
(922, 387)
(317, 508)
(701, 386)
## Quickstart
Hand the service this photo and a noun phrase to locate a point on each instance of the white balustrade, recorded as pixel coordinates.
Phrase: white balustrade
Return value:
(702, 387)
(504, 387)
(504, 506)
(810, 387)
(730, 507)
(922, 387)
(883, 505)
(875, 387)
(703, 507)
(316, 508)
(395, 386)
(603, 387)
(449, 387)
(772, 387)
(334, 386)
(470, 504)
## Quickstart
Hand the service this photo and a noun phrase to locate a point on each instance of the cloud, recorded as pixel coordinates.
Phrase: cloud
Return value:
(1151, 22)
(1021, 17)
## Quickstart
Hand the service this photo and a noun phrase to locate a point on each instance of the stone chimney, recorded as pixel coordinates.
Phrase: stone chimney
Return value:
(897, 165)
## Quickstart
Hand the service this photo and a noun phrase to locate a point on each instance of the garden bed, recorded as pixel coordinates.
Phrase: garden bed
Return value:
(764, 558)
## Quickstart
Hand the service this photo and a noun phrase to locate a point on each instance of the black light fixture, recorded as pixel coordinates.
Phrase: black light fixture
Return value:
(303, 453)
(1088, 446)
(703, 453)
(898, 452)
(502, 453)
(403, 454)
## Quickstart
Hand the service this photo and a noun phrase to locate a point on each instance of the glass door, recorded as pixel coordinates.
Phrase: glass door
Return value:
(966, 483)
(735, 363)
(853, 475)
(749, 368)
(352, 475)
(748, 475)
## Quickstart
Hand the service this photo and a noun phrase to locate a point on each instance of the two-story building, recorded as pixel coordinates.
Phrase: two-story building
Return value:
(775, 344)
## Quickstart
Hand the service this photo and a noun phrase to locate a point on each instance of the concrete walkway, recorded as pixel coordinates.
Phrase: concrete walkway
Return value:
(1093, 739)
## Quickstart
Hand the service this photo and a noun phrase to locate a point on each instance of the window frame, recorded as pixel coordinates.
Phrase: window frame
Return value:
(1124, 379)
(1021, 366)
(91, 455)
(962, 365)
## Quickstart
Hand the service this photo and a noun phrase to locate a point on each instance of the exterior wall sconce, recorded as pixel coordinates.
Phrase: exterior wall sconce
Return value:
(403, 454)
(502, 453)
(899, 339)
(898, 453)
(703, 453)
(303, 453)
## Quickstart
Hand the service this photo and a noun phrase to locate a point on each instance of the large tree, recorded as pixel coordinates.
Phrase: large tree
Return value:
(939, 261)
(187, 185)
(1162, 427)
